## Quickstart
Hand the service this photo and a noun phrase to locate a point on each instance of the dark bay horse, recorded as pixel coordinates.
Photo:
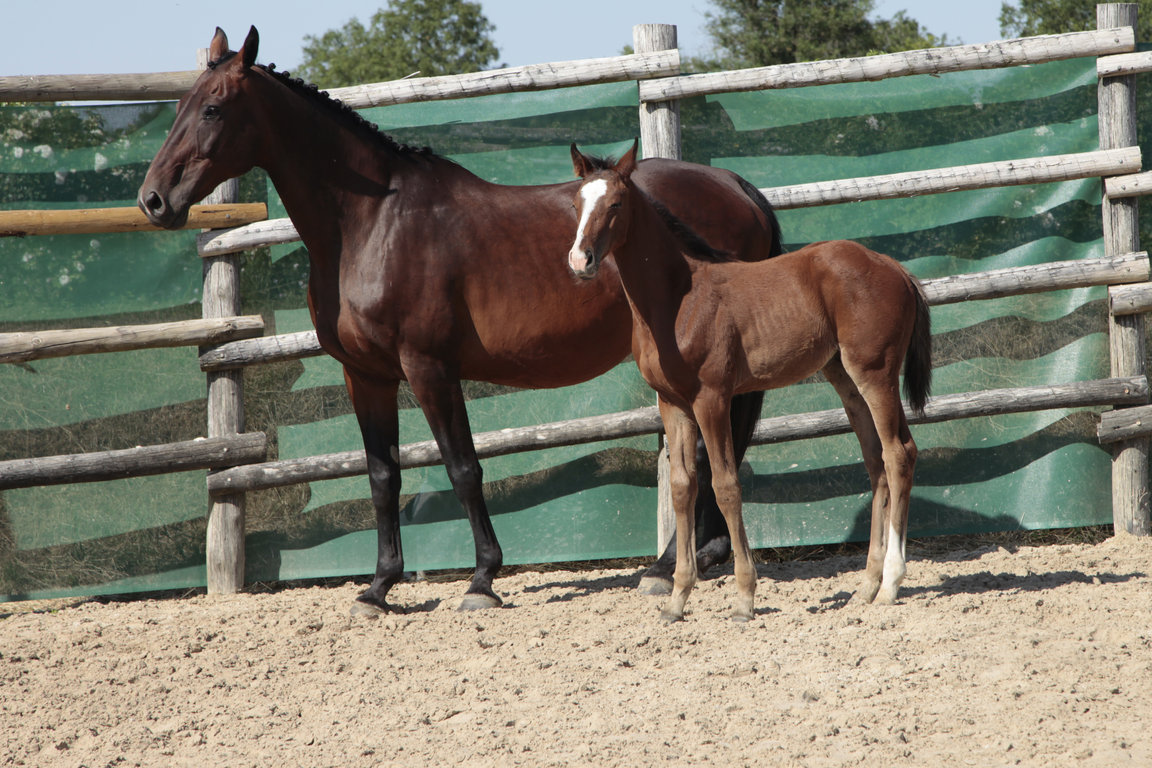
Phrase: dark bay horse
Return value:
(411, 271)
(707, 328)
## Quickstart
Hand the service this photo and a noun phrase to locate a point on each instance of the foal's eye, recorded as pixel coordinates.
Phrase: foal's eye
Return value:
(211, 112)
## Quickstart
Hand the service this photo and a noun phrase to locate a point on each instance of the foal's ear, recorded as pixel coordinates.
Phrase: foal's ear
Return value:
(250, 48)
(627, 163)
(580, 163)
(219, 45)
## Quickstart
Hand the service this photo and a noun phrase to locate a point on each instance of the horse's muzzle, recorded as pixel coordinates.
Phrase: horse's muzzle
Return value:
(159, 212)
(583, 263)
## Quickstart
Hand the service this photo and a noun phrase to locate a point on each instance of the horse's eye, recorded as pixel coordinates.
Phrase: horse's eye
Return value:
(211, 112)
(614, 206)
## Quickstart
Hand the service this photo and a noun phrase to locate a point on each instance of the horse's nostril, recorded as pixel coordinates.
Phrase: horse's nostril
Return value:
(154, 202)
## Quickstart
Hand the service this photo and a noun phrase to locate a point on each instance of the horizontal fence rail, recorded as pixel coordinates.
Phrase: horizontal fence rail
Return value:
(1121, 64)
(1125, 424)
(24, 346)
(1034, 170)
(533, 77)
(201, 453)
(151, 86)
(930, 61)
(1031, 170)
(991, 284)
(646, 421)
(94, 221)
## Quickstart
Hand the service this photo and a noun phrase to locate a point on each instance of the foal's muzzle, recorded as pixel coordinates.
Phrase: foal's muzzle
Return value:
(583, 263)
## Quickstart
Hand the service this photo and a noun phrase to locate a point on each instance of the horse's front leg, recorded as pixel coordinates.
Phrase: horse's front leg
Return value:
(442, 399)
(376, 411)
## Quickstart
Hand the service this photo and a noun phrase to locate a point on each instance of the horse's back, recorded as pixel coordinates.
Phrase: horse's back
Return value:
(715, 203)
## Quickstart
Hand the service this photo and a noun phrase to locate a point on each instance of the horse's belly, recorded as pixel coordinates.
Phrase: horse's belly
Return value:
(554, 351)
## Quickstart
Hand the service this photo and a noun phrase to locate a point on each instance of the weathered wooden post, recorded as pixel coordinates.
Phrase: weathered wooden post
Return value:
(221, 298)
(1117, 116)
(659, 137)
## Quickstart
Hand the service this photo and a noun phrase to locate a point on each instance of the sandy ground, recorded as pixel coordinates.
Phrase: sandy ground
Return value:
(1038, 657)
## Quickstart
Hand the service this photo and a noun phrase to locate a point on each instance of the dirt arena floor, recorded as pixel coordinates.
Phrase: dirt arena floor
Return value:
(1040, 656)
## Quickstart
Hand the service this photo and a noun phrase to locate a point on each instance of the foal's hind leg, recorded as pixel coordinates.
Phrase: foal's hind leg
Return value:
(860, 417)
(880, 389)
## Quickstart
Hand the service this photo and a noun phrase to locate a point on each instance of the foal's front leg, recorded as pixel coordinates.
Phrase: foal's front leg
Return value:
(681, 431)
(711, 410)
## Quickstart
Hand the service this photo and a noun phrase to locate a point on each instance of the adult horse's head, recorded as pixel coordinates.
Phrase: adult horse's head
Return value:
(213, 138)
(602, 209)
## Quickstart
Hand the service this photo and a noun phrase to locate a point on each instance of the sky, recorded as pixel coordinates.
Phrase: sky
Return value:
(116, 36)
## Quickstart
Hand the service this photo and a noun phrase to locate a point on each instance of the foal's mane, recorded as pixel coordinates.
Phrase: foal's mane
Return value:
(343, 113)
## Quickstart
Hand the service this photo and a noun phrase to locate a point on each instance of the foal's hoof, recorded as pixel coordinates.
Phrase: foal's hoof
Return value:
(479, 602)
(655, 585)
(670, 617)
(741, 617)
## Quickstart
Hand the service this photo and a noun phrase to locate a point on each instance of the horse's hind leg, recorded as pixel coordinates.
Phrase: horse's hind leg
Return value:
(860, 417)
(682, 432)
(712, 415)
(442, 400)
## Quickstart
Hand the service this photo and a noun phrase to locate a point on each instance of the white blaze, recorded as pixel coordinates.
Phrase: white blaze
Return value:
(590, 193)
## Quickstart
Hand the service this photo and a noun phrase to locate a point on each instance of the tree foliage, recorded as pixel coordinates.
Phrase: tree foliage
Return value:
(432, 37)
(755, 33)
(1051, 17)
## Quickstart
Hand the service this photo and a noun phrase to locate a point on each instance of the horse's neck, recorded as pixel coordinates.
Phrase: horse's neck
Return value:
(328, 175)
(654, 270)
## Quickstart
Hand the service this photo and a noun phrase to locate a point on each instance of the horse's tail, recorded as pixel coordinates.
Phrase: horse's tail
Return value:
(918, 358)
(762, 203)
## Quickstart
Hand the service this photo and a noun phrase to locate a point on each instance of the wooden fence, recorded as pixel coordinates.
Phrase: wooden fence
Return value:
(238, 458)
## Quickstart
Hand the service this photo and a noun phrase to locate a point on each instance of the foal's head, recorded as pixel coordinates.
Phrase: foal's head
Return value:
(602, 209)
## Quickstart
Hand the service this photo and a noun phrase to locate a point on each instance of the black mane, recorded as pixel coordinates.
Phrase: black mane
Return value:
(341, 111)
(693, 243)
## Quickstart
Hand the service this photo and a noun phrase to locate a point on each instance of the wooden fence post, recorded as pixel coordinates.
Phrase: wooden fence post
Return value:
(221, 298)
(1117, 116)
(660, 137)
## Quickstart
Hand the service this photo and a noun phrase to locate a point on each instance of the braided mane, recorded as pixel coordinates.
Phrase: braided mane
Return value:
(345, 114)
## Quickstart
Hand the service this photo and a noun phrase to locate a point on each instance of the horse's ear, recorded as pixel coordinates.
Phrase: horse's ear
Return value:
(580, 163)
(626, 164)
(219, 46)
(250, 48)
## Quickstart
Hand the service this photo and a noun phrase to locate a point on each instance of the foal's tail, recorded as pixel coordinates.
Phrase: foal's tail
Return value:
(918, 358)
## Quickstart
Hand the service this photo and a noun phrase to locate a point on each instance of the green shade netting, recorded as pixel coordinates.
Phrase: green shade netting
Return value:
(1033, 470)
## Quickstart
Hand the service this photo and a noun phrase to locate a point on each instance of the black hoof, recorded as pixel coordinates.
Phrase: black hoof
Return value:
(479, 602)
(655, 585)
(368, 609)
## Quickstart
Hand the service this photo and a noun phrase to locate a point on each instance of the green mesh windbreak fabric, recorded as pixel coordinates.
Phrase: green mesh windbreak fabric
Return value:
(121, 535)
(1026, 471)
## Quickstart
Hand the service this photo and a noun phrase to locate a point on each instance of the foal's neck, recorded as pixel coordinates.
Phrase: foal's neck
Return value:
(653, 263)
